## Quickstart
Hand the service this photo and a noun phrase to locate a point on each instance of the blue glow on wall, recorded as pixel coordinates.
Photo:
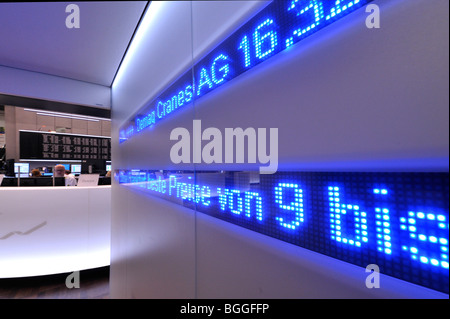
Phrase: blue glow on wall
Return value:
(275, 28)
(399, 221)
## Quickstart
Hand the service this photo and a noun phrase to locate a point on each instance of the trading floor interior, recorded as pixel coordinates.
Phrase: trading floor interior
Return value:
(224, 149)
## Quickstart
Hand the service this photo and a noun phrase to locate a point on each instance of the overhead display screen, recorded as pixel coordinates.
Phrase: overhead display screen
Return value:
(55, 146)
(275, 28)
(398, 221)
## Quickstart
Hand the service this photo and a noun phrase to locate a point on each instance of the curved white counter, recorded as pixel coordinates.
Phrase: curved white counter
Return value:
(50, 230)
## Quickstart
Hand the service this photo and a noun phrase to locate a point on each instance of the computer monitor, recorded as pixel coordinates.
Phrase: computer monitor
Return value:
(104, 181)
(10, 167)
(93, 167)
(9, 182)
(75, 168)
(36, 181)
(24, 169)
(33, 181)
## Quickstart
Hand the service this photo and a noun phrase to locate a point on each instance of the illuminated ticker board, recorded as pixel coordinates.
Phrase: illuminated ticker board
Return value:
(398, 221)
(275, 28)
(58, 146)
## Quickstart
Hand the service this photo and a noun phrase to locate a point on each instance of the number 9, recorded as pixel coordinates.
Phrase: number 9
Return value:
(258, 40)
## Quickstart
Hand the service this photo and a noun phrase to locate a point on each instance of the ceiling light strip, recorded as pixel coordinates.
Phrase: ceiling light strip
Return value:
(69, 117)
(83, 117)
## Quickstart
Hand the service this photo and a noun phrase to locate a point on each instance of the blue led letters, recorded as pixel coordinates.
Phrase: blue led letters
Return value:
(338, 221)
(398, 221)
(415, 224)
(275, 28)
(296, 206)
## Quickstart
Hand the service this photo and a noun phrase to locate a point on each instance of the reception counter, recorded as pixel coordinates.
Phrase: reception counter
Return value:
(50, 230)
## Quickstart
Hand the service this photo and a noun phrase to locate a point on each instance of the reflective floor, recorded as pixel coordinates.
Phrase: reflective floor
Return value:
(93, 284)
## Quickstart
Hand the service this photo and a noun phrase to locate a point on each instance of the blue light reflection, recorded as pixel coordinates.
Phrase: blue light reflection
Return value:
(275, 28)
(399, 221)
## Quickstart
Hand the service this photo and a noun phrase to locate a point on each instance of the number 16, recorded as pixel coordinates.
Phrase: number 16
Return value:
(269, 39)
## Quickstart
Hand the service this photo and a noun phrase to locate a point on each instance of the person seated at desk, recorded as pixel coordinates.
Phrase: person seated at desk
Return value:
(60, 171)
(36, 173)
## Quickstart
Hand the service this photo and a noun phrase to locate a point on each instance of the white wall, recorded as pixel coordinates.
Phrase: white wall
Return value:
(154, 258)
(346, 98)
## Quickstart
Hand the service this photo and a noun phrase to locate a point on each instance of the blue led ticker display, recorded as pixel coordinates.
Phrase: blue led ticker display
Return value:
(275, 28)
(399, 221)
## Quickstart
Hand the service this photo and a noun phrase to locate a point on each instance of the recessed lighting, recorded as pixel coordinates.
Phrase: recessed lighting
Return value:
(68, 115)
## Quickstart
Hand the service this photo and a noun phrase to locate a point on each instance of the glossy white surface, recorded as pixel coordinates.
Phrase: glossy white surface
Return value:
(346, 98)
(49, 230)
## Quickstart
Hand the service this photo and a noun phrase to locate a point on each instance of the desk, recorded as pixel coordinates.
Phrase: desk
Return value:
(50, 230)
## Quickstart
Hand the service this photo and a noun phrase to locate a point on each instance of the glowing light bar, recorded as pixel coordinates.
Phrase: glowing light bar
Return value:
(276, 28)
(399, 221)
